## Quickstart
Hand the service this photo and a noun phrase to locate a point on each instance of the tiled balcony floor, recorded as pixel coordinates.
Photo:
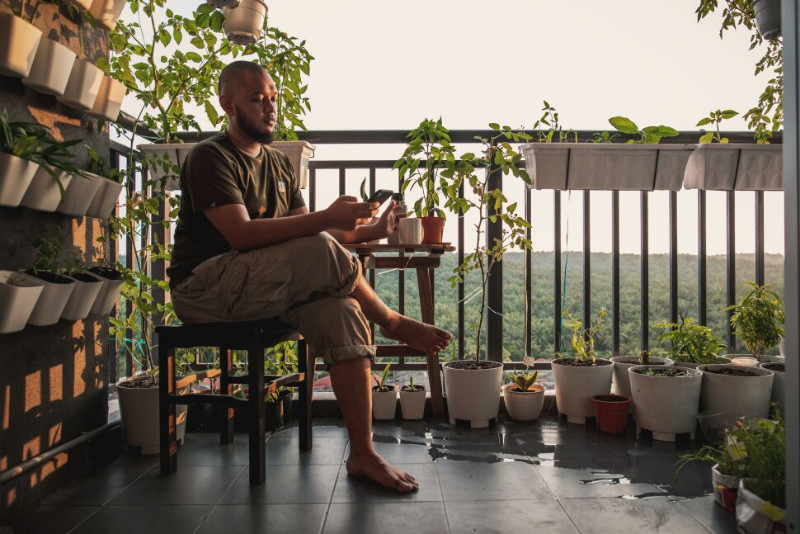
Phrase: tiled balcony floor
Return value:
(547, 476)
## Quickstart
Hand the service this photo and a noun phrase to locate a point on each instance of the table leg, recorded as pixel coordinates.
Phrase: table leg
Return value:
(425, 284)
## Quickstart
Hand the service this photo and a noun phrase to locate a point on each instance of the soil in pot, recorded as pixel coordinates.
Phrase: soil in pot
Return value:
(472, 365)
(612, 412)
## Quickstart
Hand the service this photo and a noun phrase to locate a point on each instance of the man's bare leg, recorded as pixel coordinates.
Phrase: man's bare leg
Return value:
(351, 380)
(393, 325)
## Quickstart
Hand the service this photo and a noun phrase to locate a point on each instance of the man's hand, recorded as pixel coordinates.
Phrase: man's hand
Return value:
(386, 225)
(347, 213)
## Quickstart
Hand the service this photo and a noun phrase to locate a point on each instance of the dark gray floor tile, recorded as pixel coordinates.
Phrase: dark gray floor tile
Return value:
(488, 517)
(250, 518)
(358, 490)
(713, 516)
(387, 518)
(205, 449)
(403, 452)
(286, 451)
(477, 481)
(191, 484)
(613, 515)
(96, 487)
(138, 519)
(322, 428)
(37, 519)
(573, 483)
(286, 484)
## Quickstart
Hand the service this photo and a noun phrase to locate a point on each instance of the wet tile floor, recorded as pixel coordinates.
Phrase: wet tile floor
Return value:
(546, 476)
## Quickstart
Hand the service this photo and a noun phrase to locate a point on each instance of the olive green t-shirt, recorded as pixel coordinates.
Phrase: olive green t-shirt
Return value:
(217, 173)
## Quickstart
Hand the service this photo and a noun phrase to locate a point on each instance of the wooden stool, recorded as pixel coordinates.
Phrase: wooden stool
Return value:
(254, 337)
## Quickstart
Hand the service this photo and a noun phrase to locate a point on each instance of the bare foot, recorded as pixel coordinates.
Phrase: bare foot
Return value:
(421, 336)
(377, 469)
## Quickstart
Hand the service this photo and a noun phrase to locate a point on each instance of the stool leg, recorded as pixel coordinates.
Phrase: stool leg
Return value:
(166, 411)
(226, 388)
(256, 409)
(305, 361)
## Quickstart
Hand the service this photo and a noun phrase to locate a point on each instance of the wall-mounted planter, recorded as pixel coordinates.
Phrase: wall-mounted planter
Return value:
(83, 4)
(105, 199)
(299, 154)
(82, 299)
(18, 43)
(735, 166)
(16, 175)
(53, 299)
(244, 23)
(18, 296)
(768, 17)
(109, 99)
(79, 194)
(83, 85)
(44, 194)
(107, 12)
(112, 285)
(51, 68)
(157, 166)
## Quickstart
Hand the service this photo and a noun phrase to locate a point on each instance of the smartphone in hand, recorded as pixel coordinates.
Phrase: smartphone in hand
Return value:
(380, 196)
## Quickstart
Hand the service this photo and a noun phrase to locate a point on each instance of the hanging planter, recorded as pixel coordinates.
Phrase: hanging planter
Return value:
(51, 68)
(768, 17)
(164, 161)
(82, 298)
(18, 296)
(224, 3)
(299, 154)
(16, 175)
(83, 85)
(19, 40)
(109, 292)
(243, 24)
(79, 194)
(44, 193)
(735, 166)
(109, 99)
(107, 12)
(53, 299)
(105, 199)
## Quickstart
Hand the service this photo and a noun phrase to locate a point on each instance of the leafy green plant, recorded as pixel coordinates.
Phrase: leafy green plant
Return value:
(548, 128)
(490, 204)
(758, 319)
(427, 163)
(411, 386)
(583, 339)
(715, 118)
(646, 135)
(382, 382)
(523, 381)
(689, 341)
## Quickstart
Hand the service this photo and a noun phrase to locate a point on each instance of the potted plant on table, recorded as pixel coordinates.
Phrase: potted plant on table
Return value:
(384, 398)
(523, 396)
(412, 401)
(473, 386)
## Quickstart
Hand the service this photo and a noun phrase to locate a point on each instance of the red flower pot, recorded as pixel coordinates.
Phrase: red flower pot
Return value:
(432, 229)
(612, 412)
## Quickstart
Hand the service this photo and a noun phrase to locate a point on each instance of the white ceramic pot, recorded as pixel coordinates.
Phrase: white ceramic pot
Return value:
(735, 166)
(384, 404)
(164, 161)
(79, 194)
(736, 396)
(44, 194)
(18, 296)
(576, 385)
(412, 403)
(756, 516)
(621, 384)
(83, 85)
(51, 68)
(109, 99)
(768, 17)
(524, 405)
(665, 405)
(243, 24)
(299, 154)
(473, 394)
(138, 408)
(19, 40)
(82, 298)
(54, 297)
(778, 383)
(16, 175)
(105, 199)
(109, 292)
(107, 12)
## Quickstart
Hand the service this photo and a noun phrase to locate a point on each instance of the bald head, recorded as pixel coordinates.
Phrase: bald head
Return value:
(234, 74)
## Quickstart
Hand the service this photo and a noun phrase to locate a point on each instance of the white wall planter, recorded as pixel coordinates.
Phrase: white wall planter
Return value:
(16, 175)
(44, 194)
(577, 384)
(300, 154)
(82, 297)
(83, 85)
(54, 297)
(18, 296)
(51, 68)
(735, 166)
(105, 198)
(384, 404)
(665, 405)
(19, 40)
(243, 24)
(109, 292)
(621, 383)
(524, 405)
(107, 12)
(473, 394)
(158, 154)
(412, 403)
(138, 407)
(79, 195)
(546, 164)
(109, 99)
(736, 396)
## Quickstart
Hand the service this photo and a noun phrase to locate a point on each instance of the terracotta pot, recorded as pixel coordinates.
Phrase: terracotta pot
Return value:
(612, 412)
(432, 230)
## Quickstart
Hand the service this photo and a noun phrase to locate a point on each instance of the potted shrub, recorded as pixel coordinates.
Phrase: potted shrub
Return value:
(21, 145)
(581, 377)
(523, 396)
(412, 401)
(690, 344)
(665, 399)
(427, 163)
(726, 472)
(18, 296)
(19, 40)
(384, 398)
(473, 386)
(758, 319)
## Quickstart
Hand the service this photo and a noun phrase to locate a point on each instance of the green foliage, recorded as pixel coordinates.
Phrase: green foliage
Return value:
(758, 319)
(411, 386)
(690, 342)
(715, 117)
(583, 339)
(523, 381)
(429, 164)
(647, 135)
(548, 128)
(382, 382)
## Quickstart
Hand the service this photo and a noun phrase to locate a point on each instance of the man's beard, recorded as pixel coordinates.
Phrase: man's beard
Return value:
(250, 130)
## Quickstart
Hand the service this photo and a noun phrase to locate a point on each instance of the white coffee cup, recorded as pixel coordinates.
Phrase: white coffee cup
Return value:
(410, 231)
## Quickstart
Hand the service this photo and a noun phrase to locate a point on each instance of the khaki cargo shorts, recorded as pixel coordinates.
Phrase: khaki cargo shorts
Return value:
(305, 282)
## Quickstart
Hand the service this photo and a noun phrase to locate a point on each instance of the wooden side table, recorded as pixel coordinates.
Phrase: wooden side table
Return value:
(423, 258)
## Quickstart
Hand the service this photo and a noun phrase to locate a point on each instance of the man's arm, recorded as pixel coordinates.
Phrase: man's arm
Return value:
(381, 228)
